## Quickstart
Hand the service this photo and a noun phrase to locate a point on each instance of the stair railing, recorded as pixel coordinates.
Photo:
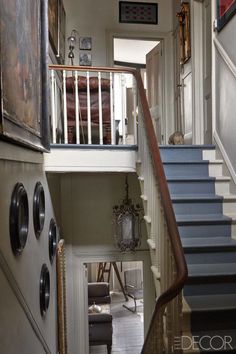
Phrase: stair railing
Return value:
(168, 260)
(88, 105)
(169, 266)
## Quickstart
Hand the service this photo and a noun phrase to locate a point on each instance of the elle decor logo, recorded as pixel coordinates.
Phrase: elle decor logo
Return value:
(206, 343)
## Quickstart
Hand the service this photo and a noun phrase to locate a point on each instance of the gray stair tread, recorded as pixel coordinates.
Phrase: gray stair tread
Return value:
(186, 162)
(212, 302)
(203, 243)
(217, 218)
(204, 147)
(212, 270)
(190, 178)
(195, 197)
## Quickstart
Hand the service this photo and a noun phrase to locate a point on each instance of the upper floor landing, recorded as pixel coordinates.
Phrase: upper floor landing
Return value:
(94, 120)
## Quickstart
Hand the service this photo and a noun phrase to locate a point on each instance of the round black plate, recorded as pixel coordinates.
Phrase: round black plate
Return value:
(38, 209)
(44, 289)
(52, 239)
(19, 218)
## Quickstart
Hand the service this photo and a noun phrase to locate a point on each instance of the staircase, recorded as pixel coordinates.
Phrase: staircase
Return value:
(204, 211)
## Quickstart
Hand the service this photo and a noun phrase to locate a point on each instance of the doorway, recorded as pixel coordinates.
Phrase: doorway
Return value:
(144, 55)
(115, 294)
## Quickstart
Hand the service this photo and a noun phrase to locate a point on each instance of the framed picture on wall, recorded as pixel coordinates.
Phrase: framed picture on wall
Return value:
(225, 11)
(24, 73)
(57, 28)
(53, 23)
(85, 43)
(138, 12)
(85, 59)
(184, 33)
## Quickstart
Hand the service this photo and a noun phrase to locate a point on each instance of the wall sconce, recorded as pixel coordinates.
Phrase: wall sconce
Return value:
(127, 220)
(72, 42)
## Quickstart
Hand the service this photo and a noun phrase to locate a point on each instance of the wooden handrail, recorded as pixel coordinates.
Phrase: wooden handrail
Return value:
(177, 249)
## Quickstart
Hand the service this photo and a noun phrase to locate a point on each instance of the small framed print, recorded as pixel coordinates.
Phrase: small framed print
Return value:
(85, 59)
(138, 12)
(226, 9)
(85, 43)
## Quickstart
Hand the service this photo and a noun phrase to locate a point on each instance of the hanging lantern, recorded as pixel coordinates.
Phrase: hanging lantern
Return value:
(127, 220)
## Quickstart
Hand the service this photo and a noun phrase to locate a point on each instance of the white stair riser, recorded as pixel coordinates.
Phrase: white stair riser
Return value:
(229, 207)
(215, 169)
(209, 155)
(221, 187)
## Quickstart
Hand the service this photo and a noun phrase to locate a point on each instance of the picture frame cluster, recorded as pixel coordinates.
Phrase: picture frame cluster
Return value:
(85, 55)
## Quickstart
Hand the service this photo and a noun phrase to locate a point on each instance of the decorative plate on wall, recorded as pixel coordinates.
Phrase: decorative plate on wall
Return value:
(52, 239)
(38, 209)
(19, 218)
(44, 289)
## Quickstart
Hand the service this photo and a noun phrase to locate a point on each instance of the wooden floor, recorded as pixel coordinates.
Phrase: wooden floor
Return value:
(127, 328)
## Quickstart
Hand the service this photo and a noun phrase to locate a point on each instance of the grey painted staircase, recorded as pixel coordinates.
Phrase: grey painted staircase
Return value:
(198, 192)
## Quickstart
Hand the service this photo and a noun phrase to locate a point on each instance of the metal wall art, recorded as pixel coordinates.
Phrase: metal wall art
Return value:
(38, 209)
(44, 289)
(19, 218)
(52, 240)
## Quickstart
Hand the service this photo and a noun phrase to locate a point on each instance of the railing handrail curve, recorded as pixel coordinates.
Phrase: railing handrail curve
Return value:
(177, 249)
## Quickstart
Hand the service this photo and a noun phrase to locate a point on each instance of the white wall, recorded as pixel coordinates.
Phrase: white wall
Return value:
(86, 202)
(22, 273)
(94, 18)
(224, 88)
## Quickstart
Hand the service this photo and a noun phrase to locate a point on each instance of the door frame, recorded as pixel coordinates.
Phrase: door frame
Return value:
(166, 40)
(76, 286)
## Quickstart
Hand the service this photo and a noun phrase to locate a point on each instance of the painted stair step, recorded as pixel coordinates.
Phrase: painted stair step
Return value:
(184, 168)
(208, 244)
(210, 312)
(196, 204)
(206, 230)
(193, 168)
(209, 250)
(211, 244)
(206, 279)
(210, 288)
(214, 272)
(201, 219)
(184, 152)
(198, 185)
(191, 185)
(209, 225)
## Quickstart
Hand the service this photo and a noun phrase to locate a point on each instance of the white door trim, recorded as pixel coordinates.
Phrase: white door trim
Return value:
(77, 302)
(168, 70)
(197, 58)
